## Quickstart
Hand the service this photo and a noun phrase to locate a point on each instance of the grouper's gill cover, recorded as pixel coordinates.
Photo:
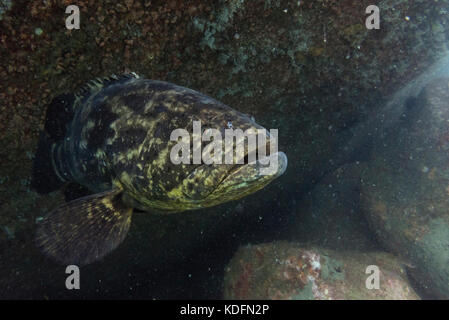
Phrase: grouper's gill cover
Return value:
(113, 138)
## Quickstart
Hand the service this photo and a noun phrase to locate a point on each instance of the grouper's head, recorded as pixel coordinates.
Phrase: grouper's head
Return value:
(207, 185)
(175, 185)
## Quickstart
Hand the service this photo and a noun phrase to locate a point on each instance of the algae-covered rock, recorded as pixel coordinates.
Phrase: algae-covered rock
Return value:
(282, 270)
(405, 189)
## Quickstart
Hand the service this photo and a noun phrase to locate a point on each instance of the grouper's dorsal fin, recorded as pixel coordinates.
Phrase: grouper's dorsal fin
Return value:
(100, 83)
(84, 230)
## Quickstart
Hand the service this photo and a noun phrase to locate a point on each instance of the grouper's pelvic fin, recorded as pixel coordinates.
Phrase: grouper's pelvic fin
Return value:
(86, 229)
(60, 112)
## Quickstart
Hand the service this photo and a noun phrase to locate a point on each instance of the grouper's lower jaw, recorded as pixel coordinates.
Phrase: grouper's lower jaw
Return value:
(251, 177)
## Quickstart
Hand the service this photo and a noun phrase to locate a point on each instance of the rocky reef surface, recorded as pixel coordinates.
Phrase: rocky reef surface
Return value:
(308, 68)
(405, 189)
(290, 271)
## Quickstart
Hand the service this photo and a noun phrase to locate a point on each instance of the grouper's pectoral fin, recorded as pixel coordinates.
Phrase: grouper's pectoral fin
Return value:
(86, 229)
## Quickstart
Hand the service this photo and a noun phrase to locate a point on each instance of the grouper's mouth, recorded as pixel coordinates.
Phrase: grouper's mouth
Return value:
(264, 169)
(247, 178)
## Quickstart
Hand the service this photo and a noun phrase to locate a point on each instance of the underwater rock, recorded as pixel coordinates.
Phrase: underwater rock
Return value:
(405, 189)
(283, 270)
(330, 216)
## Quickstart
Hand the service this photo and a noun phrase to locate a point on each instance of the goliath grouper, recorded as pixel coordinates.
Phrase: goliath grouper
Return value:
(113, 138)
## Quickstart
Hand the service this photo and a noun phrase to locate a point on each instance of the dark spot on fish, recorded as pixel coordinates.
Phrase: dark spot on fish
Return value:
(92, 175)
(135, 102)
(129, 138)
(102, 118)
(153, 153)
(187, 99)
(157, 111)
(162, 131)
(160, 108)
(139, 183)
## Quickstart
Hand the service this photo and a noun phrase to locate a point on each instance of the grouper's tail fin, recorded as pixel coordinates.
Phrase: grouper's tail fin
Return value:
(59, 114)
(44, 178)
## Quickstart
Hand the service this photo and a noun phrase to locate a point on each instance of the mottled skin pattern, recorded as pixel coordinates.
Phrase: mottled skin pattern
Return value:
(120, 138)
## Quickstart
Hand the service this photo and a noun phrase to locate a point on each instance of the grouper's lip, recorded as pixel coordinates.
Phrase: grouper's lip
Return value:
(256, 168)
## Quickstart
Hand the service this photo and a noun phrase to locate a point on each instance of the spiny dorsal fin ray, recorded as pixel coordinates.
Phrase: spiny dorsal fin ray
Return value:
(86, 229)
(97, 84)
